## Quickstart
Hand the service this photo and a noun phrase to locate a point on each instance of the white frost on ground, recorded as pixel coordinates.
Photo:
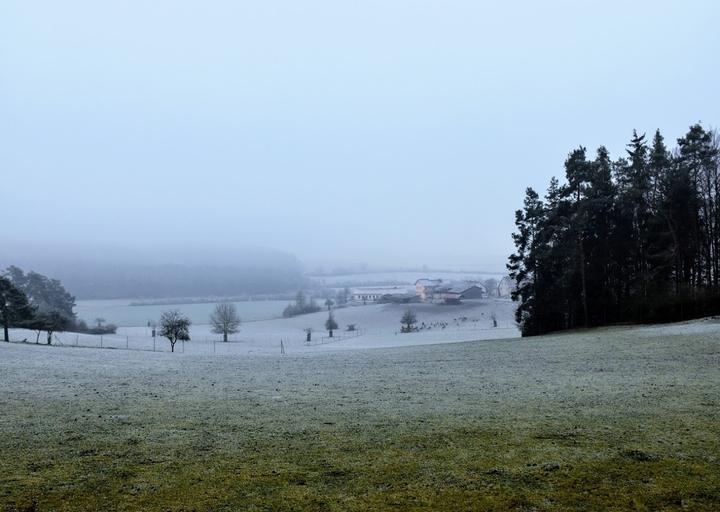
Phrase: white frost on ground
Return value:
(378, 324)
(709, 325)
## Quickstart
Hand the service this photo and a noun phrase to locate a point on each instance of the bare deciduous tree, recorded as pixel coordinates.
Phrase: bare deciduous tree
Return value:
(175, 327)
(342, 296)
(491, 286)
(225, 319)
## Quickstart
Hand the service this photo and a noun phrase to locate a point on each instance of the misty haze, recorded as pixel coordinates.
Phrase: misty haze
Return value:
(319, 255)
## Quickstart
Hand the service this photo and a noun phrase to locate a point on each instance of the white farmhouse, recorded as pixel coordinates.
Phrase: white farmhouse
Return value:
(365, 295)
(506, 287)
(425, 288)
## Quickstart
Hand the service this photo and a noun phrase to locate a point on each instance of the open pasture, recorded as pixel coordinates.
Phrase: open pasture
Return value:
(610, 419)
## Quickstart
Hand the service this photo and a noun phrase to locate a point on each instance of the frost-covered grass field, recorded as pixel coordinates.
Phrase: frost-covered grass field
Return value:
(120, 311)
(611, 419)
(378, 324)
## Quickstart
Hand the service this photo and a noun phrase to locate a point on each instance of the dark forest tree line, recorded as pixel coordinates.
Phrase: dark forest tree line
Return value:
(636, 239)
(33, 301)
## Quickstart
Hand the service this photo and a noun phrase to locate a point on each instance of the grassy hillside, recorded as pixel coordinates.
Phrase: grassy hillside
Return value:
(616, 419)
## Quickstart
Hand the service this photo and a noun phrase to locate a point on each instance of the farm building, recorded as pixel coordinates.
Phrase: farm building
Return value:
(505, 287)
(434, 290)
(377, 294)
(425, 288)
(473, 291)
(456, 293)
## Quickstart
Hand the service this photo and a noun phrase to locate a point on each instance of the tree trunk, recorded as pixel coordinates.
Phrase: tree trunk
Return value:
(225, 337)
(49, 338)
(5, 331)
(172, 346)
(583, 281)
(330, 333)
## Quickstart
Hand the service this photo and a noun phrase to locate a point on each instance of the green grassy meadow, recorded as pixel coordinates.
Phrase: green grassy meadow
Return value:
(612, 419)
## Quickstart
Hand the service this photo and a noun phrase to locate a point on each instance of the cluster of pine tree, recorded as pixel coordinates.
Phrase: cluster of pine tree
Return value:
(631, 240)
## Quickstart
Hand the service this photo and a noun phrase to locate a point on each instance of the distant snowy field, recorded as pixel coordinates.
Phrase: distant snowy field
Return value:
(122, 314)
(378, 326)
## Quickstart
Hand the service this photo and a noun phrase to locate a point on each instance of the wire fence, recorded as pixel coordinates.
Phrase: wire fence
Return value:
(198, 345)
(115, 342)
(337, 336)
(248, 343)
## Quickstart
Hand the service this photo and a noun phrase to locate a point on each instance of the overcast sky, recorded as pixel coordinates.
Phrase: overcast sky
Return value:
(389, 132)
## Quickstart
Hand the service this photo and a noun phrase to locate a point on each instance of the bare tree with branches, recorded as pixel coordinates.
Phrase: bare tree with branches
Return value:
(175, 327)
(225, 319)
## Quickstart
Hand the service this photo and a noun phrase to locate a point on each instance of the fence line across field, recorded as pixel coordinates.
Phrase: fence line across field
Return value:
(338, 336)
(201, 345)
